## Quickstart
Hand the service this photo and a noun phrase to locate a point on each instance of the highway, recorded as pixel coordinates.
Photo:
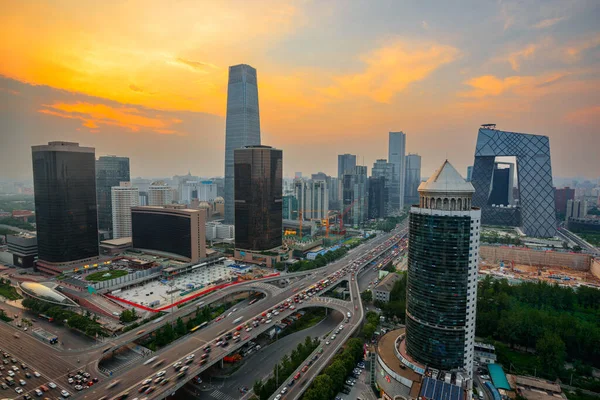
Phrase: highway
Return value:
(130, 380)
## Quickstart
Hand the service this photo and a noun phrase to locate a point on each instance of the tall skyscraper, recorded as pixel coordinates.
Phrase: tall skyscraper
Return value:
(346, 164)
(110, 172)
(160, 194)
(378, 193)
(396, 156)
(355, 196)
(258, 198)
(561, 196)
(242, 124)
(123, 198)
(385, 170)
(313, 198)
(535, 211)
(443, 256)
(413, 179)
(64, 178)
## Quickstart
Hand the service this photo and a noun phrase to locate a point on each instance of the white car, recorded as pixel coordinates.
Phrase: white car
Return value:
(190, 357)
(52, 385)
(36, 374)
(327, 342)
(278, 397)
(147, 381)
(70, 380)
(65, 394)
(38, 392)
(11, 373)
(22, 382)
(18, 390)
(268, 321)
(161, 373)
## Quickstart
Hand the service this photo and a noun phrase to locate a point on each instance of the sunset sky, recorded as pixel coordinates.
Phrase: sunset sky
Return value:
(148, 79)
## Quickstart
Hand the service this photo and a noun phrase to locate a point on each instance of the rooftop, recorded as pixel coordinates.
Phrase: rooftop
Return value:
(387, 283)
(117, 242)
(498, 376)
(446, 179)
(386, 349)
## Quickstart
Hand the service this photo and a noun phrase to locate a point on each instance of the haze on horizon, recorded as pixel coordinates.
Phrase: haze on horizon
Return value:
(148, 80)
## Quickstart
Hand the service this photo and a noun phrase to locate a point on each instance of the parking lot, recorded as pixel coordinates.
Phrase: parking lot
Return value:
(356, 386)
(155, 292)
(21, 379)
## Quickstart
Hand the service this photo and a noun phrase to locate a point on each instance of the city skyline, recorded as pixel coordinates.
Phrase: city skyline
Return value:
(137, 89)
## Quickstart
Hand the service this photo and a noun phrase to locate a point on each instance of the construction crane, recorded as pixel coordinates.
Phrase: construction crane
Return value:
(341, 216)
(301, 218)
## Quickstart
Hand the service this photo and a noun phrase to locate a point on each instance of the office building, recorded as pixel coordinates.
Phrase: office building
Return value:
(576, 209)
(172, 231)
(346, 164)
(201, 190)
(218, 231)
(110, 171)
(258, 198)
(123, 198)
(242, 124)
(413, 179)
(378, 194)
(383, 169)
(383, 289)
(397, 156)
(290, 207)
(355, 196)
(535, 210)
(561, 197)
(160, 194)
(64, 178)
(312, 196)
(502, 185)
(443, 255)
(23, 247)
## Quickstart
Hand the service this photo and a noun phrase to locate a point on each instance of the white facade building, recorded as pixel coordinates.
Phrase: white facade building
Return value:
(313, 198)
(123, 197)
(201, 190)
(160, 194)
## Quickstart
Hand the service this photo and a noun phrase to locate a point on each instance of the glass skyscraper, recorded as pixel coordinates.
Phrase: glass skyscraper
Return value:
(64, 181)
(110, 172)
(242, 125)
(413, 179)
(258, 198)
(397, 156)
(443, 255)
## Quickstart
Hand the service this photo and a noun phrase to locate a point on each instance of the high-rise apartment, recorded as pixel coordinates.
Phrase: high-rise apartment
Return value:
(123, 198)
(346, 164)
(64, 178)
(242, 124)
(576, 209)
(160, 194)
(443, 255)
(561, 196)
(313, 198)
(258, 198)
(110, 172)
(413, 179)
(397, 156)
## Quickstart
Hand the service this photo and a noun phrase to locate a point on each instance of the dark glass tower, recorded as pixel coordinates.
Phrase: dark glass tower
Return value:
(64, 181)
(443, 255)
(110, 171)
(242, 124)
(258, 198)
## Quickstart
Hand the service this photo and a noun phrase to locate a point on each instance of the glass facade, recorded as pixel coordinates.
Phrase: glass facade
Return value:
(534, 169)
(162, 232)
(377, 197)
(258, 198)
(65, 203)
(110, 171)
(436, 305)
(413, 179)
(397, 156)
(242, 125)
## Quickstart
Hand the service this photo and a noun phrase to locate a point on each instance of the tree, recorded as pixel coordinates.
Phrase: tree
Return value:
(577, 248)
(321, 389)
(551, 351)
(368, 330)
(180, 327)
(367, 296)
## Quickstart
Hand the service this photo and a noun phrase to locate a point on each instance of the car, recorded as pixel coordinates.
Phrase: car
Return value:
(4, 386)
(86, 374)
(22, 382)
(291, 383)
(13, 360)
(204, 356)
(150, 390)
(184, 369)
(95, 380)
(143, 388)
(52, 385)
(79, 388)
(113, 384)
(5, 362)
(147, 381)
(19, 390)
(23, 366)
(26, 396)
(346, 390)
(189, 361)
(36, 374)
(349, 382)
(332, 337)
(164, 382)
(15, 368)
(161, 373)
(278, 397)
(177, 365)
(305, 368)
(159, 379)
(327, 342)
(284, 390)
(70, 380)
(190, 357)
(180, 375)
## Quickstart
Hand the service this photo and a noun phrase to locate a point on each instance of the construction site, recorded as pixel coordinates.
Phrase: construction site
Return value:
(519, 264)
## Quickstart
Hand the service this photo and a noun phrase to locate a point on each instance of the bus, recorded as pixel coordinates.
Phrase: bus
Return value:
(202, 325)
(46, 317)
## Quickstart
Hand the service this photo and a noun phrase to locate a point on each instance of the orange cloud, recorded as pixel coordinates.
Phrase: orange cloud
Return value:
(489, 85)
(94, 116)
(574, 50)
(526, 53)
(390, 69)
(585, 116)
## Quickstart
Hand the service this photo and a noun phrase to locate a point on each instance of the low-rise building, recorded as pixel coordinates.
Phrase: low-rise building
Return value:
(382, 291)
(23, 247)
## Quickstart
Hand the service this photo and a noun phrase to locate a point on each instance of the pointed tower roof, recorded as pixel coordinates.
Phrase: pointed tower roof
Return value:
(446, 179)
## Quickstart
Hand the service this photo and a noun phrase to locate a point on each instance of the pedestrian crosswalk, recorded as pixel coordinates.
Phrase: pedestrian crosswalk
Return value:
(217, 394)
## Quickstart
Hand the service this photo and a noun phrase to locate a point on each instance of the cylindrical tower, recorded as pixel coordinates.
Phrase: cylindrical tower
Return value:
(443, 255)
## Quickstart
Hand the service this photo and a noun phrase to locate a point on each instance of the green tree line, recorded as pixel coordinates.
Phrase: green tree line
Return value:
(83, 323)
(557, 322)
(17, 223)
(284, 369)
(332, 379)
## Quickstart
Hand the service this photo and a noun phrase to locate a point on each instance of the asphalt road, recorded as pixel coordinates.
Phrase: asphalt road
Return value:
(130, 379)
(259, 365)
